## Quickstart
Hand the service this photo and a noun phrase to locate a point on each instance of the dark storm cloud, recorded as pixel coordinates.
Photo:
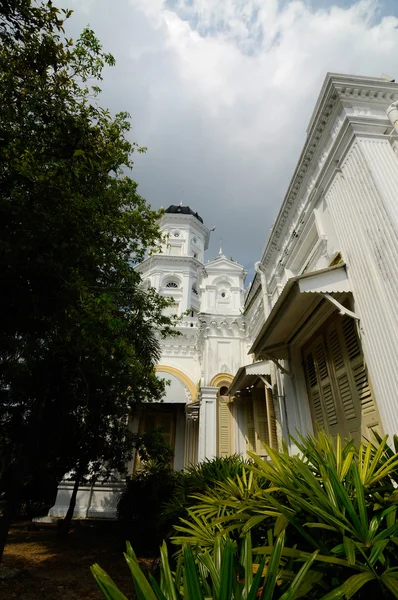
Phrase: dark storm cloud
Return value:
(221, 94)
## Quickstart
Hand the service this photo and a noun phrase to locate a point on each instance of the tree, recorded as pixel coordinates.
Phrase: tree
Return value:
(79, 337)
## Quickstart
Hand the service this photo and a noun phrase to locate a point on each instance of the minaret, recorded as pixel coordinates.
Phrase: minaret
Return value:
(174, 270)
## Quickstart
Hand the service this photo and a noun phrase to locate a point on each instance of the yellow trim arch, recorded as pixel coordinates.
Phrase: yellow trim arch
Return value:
(221, 378)
(182, 377)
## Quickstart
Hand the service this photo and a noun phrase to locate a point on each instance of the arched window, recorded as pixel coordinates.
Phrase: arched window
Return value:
(223, 390)
(172, 284)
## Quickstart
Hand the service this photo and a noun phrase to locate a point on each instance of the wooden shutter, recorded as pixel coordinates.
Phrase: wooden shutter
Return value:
(322, 396)
(350, 411)
(362, 391)
(260, 421)
(341, 397)
(272, 431)
(250, 430)
(224, 426)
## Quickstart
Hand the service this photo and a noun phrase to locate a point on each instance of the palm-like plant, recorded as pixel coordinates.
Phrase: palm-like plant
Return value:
(219, 574)
(334, 498)
(201, 479)
(228, 507)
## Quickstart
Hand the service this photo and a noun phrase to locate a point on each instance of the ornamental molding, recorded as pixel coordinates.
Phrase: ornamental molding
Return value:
(224, 264)
(179, 350)
(367, 98)
(170, 219)
(191, 391)
(166, 260)
(252, 293)
(191, 220)
(187, 334)
(222, 378)
(220, 326)
(221, 279)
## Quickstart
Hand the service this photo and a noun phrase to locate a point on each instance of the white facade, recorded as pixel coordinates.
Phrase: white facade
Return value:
(320, 320)
(212, 343)
(323, 306)
(195, 418)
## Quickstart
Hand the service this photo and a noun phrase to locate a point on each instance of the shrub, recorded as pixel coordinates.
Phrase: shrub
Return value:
(156, 498)
(140, 504)
(199, 479)
(339, 501)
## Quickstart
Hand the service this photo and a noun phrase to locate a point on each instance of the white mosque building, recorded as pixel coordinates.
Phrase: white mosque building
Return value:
(314, 340)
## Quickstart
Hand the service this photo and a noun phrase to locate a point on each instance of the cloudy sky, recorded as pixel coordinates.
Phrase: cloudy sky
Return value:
(221, 91)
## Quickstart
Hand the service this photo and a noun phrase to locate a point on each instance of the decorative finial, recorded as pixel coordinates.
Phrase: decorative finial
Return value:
(220, 253)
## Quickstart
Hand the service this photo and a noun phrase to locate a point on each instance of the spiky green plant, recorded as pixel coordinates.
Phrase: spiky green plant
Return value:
(334, 498)
(222, 574)
(200, 479)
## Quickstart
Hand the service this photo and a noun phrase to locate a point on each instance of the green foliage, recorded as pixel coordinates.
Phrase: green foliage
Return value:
(80, 338)
(140, 504)
(223, 573)
(156, 497)
(155, 454)
(340, 501)
(199, 479)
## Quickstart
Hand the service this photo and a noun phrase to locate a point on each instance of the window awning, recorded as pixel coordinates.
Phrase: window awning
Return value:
(246, 376)
(300, 297)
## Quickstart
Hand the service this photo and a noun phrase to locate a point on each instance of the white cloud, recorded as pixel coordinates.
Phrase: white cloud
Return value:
(221, 93)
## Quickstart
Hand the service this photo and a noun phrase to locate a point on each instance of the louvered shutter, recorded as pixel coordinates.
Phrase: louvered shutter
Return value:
(341, 397)
(322, 396)
(224, 427)
(314, 391)
(272, 431)
(347, 398)
(369, 416)
(260, 421)
(250, 431)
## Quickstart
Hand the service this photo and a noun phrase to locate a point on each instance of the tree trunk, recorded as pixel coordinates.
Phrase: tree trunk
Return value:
(5, 522)
(72, 504)
(65, 524)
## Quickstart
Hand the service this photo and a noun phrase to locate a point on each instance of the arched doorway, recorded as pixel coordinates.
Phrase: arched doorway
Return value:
(170, 415)
(225, 422)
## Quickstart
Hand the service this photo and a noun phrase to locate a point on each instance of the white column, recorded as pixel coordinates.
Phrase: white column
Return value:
(208, 423)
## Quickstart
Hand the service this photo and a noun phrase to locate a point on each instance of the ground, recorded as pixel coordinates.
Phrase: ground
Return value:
(54, 567)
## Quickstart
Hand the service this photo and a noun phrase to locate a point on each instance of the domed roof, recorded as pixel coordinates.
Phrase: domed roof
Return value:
(183, 210)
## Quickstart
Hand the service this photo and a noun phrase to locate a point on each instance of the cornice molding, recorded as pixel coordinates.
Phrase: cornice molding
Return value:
(224, 264)
(166, 259)
(252, 294)
(191, 220)
(337, 92)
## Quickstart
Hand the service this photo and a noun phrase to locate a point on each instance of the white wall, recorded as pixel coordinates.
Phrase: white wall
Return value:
(365, 220)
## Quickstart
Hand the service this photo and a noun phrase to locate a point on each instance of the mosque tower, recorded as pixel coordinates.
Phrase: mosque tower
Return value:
(200, 362)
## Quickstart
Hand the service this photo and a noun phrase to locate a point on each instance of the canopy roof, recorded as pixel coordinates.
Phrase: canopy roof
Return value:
(299, 299)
